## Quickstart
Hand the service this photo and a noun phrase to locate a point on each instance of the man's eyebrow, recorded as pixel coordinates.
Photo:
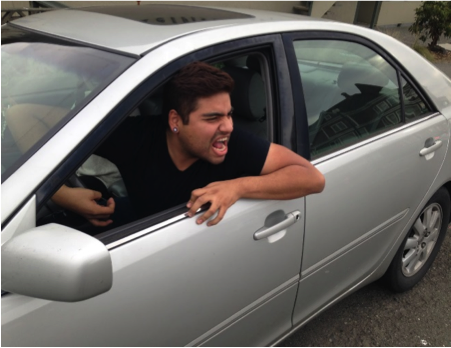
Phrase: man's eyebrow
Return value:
(217, 114)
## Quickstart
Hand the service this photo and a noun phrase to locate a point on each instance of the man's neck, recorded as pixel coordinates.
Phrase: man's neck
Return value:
(181, 159)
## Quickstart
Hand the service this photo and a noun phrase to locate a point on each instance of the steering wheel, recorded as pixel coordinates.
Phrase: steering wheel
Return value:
(53, 213)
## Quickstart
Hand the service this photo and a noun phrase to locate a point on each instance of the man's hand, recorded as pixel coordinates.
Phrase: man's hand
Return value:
(84, 202)
(221, 195)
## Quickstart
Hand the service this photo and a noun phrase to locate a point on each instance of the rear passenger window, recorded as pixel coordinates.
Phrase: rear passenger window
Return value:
(351, 93)
(414, 106)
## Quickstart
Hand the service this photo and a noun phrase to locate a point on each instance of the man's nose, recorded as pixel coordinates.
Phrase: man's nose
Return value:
(226, 124)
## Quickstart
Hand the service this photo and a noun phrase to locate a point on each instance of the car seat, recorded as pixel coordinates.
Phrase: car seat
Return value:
(248, 97)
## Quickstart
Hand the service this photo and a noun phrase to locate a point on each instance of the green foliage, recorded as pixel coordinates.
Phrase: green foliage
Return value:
(218, 65)
(432, 19)
(424, 52)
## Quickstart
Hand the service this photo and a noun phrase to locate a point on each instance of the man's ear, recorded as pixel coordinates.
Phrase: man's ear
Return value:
(174, 119)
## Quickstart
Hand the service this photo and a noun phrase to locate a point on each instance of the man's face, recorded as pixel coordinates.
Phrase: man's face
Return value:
(207, 134)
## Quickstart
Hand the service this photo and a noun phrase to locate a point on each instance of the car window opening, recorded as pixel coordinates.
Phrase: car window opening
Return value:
(249, 102)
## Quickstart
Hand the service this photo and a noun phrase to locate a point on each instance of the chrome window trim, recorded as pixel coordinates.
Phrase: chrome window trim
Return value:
(373, 139)
(146, 231)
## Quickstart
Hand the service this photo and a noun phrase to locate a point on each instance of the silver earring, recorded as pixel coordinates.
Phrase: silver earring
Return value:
(175, 129)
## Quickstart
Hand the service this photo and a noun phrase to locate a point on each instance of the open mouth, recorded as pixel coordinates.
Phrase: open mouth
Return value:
(220, 146)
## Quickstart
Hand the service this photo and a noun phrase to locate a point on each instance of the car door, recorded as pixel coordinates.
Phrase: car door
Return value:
(379, 144)
(175, 282)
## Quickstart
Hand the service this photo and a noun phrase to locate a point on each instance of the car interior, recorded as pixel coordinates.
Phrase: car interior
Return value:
(97, 173)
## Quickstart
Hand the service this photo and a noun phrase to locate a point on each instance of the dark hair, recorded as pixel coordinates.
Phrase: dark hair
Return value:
(195, 80)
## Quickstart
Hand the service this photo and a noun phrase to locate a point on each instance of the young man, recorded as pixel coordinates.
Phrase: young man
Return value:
(194, 155)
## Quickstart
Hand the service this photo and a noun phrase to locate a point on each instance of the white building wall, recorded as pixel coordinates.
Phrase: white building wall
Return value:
(342, 11)
(321, 7)
(397, 12)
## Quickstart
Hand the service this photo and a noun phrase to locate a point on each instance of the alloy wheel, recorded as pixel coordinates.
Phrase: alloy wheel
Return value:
(422, 239)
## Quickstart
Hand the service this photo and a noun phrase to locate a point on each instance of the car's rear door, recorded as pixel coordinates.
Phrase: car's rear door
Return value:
(379, 144)
(175, 282)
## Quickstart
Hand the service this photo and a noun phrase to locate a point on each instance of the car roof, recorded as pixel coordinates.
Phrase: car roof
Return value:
(136, 29)
(118, 30)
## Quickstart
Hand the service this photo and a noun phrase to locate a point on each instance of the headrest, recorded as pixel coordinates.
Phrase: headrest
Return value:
(248, 97)
(355, 78)
(152, 106)
(253, 63)
(237, 61)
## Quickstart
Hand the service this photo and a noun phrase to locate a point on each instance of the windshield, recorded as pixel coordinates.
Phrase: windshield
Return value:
(45, 82)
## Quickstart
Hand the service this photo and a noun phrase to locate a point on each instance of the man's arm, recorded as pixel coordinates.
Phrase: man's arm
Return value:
(84, 202)
(285, 175)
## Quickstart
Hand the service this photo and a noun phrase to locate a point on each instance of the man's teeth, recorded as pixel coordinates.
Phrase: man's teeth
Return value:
(220, 143)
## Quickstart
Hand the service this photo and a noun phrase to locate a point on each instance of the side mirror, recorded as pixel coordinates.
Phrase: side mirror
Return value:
(56, 263)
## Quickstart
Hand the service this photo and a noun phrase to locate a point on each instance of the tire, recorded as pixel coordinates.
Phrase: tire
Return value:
(421, 245)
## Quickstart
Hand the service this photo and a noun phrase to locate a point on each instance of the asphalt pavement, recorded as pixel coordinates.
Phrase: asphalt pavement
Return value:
(375, 316)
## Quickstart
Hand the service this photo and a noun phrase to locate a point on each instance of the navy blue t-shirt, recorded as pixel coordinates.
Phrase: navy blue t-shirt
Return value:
(139, 149)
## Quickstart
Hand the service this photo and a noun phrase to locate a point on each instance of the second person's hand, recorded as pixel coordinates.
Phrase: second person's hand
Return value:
(83, 201)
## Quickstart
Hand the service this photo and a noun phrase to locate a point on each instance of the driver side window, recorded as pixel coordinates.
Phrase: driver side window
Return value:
(251, 113)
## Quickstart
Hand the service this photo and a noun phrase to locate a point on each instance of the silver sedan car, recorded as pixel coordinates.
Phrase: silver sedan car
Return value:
(371, 114)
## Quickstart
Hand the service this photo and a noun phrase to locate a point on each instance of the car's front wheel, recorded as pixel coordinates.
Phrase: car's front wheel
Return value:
(421, 245)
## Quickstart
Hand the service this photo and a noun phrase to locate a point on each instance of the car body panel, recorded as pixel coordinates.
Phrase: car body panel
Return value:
(376, 181)
(377, 214)
(177, 283)
(260, 326)
(210, 273)
(131, 37)
(325, 284)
